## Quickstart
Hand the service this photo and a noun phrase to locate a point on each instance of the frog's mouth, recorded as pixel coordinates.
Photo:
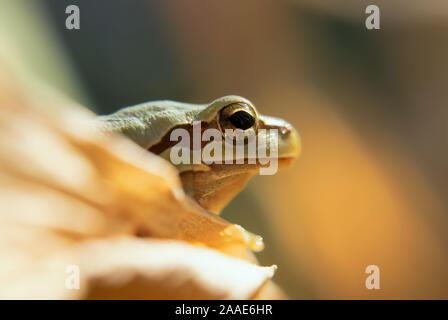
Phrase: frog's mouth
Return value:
(282, 153)
(275, 143)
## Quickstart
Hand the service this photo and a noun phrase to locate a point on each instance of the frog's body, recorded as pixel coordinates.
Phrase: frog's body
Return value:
(212, 185)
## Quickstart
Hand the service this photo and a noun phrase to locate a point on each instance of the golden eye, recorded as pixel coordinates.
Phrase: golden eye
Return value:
(237, 116)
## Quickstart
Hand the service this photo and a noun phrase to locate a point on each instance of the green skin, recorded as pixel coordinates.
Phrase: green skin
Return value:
(149, 125)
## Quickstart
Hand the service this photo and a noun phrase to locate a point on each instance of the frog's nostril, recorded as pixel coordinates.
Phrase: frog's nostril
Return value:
(285, 131)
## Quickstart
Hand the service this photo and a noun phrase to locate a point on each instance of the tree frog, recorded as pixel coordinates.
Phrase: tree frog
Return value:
(212, 184)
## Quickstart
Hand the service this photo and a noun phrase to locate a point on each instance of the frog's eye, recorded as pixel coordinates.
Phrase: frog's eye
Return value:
(242, 120)
(237, 116)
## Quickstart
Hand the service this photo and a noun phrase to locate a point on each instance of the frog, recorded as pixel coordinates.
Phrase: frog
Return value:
(212, 184)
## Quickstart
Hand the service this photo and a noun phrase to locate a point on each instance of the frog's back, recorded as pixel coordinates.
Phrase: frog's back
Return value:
(147, 123)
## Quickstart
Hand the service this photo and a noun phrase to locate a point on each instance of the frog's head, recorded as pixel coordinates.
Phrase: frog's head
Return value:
(214, 165)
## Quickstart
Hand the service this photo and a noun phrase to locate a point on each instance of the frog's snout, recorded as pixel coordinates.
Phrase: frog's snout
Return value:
(289, 145)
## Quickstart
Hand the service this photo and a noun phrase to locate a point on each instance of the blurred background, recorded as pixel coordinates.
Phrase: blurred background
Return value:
(371, 106)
